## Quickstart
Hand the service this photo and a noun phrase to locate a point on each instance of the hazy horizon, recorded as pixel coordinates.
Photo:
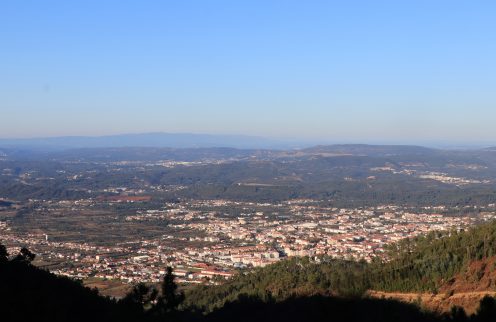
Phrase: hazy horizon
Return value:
(171, 139)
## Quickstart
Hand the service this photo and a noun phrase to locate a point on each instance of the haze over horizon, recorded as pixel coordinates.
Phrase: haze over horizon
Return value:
(319, 71)
(202, 140)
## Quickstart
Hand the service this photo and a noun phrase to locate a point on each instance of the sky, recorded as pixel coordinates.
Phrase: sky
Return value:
(403, 71)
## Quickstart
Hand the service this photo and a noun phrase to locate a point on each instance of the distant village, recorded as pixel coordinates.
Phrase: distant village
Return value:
(206, 245)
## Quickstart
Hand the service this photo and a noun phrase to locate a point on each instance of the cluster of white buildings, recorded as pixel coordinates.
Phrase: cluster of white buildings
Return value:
(206, 245)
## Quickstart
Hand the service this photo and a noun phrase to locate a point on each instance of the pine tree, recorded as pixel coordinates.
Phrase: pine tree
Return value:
(25, 255)
(4, 255)
(171, 298)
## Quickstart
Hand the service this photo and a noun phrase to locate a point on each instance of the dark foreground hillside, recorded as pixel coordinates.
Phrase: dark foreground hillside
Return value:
(321, 308)
(31, 294)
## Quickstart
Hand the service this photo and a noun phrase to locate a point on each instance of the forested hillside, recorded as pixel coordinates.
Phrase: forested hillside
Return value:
(427, 262)
(295, 277)
(294, 289)
(30, 294)
(423, 264)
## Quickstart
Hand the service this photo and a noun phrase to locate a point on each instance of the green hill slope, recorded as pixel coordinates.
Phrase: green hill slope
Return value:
(426, 263)
(423, 264)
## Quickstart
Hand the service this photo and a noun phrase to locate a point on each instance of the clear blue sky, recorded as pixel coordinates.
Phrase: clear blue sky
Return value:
(338, 70)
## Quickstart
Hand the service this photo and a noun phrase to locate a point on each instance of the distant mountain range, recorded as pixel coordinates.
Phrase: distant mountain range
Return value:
(195, 140)
(169, 140)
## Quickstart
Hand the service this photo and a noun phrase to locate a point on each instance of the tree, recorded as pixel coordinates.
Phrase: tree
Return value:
(171, 298)
(140, 297)
(487, 309)
(141, 294)
(25, 256)
(4, 255)
(458, 314)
